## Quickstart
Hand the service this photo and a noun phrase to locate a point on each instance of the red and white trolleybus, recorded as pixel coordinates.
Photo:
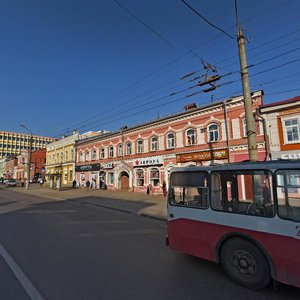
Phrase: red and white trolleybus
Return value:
(245, 216)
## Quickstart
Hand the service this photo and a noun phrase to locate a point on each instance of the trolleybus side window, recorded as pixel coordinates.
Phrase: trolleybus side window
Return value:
(189, 189)
(243, 192)
(288, 194)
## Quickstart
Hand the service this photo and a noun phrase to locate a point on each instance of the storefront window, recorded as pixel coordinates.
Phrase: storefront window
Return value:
(110, 178)
(154, 177)
(139, 177)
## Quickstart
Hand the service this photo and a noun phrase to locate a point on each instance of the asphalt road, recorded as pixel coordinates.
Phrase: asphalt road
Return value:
(82, 249)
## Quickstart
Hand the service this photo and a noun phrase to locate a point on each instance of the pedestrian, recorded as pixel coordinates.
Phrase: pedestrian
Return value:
(164, 188)
(74, 184)
(149, 188)
(88, 184)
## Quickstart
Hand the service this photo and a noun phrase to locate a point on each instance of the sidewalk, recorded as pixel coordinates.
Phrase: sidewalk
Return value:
(154, 206)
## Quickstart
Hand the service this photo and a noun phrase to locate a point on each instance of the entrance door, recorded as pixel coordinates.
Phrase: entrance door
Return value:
(124, 181)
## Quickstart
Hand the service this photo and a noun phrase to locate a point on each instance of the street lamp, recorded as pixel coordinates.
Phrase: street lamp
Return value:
(29, 157)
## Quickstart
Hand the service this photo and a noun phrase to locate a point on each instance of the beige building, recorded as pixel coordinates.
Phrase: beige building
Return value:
(13, 143)
(60, 161)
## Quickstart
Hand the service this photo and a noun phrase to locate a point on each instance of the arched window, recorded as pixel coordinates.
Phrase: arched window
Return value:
(154, 177)
(213, 133)
(154, 143)
(111, 151)
(94, 154)
(120, 150)
(140, 148)
(190, 137)
(87, 155)
(128, 148)
(102, 153)
(140, 177)
(80, 156)
(170, 141)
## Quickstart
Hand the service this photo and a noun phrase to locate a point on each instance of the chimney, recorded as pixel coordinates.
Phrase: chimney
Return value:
(190, 106)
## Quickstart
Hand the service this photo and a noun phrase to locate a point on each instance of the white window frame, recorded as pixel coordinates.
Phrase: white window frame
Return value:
(215, 133)
(284, 129)
(128, 148)
(102, 153)
(120, 149)
(170, 140)
(87, 155)
(111, 151)
(94, 154)
(154, 144)
(140, 146)
(190, 138)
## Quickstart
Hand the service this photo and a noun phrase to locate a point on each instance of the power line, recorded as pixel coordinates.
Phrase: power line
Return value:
(142, 22)
(206, 20)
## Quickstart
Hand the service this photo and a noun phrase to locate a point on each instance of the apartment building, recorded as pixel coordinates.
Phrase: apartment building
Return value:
(13, 143)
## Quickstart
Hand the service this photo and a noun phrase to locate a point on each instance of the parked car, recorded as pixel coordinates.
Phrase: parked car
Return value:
(11, 182)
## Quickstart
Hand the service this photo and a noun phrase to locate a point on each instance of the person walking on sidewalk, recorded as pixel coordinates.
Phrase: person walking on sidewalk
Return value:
(164, 188)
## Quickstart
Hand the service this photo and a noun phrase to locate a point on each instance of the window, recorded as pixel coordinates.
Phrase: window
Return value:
(140, 148)
(66, 156)
(111, 151)
(61, 156)
(190, 137)
(72, 154)
(128, 148)
(213, 133)
(288, 194)
(139, 177)
(120, 150)
(170, 141)
(189, 189)
(111, 178)
(154, 177)
(154, 143)
(102, 154)
(243, 192)
(87, 155)
(291, 130)
(94, 154)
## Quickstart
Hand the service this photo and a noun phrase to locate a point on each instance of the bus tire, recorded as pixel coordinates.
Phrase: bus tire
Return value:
(245, 264)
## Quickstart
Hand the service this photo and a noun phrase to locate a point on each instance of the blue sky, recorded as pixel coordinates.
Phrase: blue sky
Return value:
(102, 64)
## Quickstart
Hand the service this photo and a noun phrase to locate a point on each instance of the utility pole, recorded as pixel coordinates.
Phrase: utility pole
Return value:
(29, 158)
(250, 122)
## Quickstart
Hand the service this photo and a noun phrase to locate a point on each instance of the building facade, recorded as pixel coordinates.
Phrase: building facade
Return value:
(13, 143)
(60, 161)
(283, 125)
(140, 158)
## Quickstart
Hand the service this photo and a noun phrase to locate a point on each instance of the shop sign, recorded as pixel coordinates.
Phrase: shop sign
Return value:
(290, 156)
(108, 166)
(148, 161)
(87, 168)
(202, 156)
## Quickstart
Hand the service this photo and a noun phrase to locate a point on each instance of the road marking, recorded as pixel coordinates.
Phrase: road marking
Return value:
(23, 279)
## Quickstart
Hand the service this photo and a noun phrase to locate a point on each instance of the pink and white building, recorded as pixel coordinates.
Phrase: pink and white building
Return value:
(142, 156)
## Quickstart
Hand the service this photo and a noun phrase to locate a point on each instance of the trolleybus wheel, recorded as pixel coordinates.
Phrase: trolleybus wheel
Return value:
(245, 264)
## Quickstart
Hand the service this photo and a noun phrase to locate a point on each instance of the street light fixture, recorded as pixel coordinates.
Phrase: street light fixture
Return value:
(29, 157)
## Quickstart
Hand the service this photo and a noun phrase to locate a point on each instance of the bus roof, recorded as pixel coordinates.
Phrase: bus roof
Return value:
(259, 165)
